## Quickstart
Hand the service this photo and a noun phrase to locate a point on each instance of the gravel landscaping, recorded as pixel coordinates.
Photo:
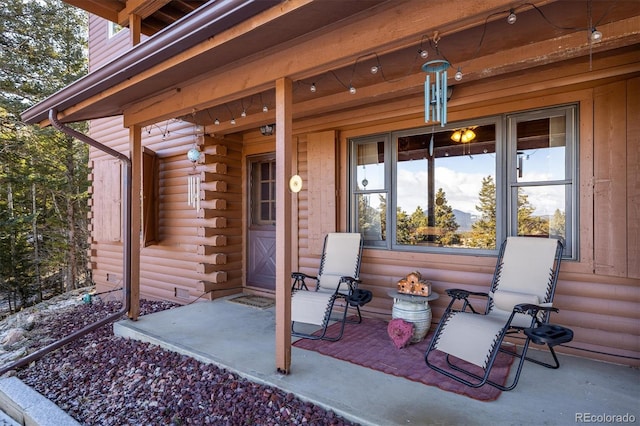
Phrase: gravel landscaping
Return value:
(101, 379)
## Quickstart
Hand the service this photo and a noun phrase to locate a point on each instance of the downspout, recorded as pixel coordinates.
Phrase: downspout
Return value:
(53, 118)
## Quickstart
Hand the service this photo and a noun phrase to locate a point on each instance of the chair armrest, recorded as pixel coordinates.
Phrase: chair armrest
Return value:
(298, 280)
(350, 281)
(531, 309)
(460, 294)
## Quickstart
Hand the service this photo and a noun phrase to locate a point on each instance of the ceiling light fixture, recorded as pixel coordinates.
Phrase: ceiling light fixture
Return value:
(463, 135)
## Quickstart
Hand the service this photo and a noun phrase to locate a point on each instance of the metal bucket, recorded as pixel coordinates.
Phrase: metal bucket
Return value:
(418, 313)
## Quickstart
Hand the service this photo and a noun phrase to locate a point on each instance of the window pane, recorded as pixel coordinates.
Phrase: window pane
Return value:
(370, 166)
(446, 189)
(541, 149)
(542, 210)
(371, 216)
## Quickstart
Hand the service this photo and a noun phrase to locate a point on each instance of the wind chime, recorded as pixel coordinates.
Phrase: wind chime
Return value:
(193, 180)
(435, 88)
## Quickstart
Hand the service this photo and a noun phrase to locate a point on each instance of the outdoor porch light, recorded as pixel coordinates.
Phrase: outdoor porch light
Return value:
(267, 129)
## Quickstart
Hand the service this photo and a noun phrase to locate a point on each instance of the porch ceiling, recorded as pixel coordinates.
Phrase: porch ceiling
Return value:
(334, 44)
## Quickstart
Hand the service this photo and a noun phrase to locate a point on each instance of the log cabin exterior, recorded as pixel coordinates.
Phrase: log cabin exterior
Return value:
(208, 75)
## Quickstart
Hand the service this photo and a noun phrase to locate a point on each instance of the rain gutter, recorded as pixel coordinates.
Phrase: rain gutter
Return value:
(126, 253)
(213, 18)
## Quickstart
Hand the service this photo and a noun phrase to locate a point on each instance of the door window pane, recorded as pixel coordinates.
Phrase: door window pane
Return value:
(263, 201)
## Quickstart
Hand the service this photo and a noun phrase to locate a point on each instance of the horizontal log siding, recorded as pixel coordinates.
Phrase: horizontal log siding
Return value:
(172, 269)
(602, 307)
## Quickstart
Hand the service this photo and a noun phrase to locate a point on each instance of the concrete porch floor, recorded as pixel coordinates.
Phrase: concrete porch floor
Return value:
(241, 339)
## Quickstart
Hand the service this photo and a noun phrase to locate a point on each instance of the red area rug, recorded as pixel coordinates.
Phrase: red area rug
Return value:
(368, 344)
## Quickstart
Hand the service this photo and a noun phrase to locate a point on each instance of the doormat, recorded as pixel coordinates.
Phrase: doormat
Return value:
(368, 344)
(260, 302)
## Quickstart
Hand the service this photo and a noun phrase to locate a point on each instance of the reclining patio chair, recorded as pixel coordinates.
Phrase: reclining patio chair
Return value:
(519, 301)
(335, 286)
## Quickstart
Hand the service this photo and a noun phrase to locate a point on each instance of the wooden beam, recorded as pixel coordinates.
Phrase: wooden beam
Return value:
(135, 148)
(135, 29)
(143, 8)
(394, 28)
(284, 121)
(107, 9)
(510, 61)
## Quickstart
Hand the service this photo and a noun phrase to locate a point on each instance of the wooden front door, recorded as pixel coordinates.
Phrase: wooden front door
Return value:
(261, 256)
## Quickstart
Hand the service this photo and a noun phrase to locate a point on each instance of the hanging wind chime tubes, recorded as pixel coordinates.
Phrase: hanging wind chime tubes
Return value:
(435, 93)
(193, 181)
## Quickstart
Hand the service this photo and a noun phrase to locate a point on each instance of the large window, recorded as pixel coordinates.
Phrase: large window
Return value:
(465, 187)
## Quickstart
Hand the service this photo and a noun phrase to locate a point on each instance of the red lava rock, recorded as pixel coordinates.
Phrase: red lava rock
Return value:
(101, 379)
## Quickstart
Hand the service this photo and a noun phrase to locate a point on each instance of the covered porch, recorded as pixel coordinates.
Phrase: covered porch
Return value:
(243, 342)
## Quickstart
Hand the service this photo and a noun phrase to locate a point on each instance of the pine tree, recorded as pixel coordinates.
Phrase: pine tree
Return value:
(44, 173)
(483, 231)
(445, 221)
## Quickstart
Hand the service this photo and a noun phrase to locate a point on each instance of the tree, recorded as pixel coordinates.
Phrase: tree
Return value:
(445, 221)
(483, 231)
(43, 181)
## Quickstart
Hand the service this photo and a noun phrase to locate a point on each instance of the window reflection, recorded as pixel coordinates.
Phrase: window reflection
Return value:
(446, 188)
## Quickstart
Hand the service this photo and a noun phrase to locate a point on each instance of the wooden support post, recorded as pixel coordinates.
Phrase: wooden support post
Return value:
(283, 223)
(135, 28)
(135, 148)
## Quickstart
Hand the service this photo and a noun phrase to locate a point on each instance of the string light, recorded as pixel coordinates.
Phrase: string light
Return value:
(216, 122)
(374, 69)
(596, 35)
(511, 19)
(458, 75)
(352, 90)
(313, 88)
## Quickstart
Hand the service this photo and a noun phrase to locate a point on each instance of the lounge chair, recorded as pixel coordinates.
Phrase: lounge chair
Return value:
(335, 289)
(519, 301)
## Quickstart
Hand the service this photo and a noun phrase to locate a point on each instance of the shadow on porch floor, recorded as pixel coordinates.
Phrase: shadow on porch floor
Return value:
(242, 339)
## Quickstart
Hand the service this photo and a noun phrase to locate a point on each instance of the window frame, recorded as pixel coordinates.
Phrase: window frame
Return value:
(504, 173)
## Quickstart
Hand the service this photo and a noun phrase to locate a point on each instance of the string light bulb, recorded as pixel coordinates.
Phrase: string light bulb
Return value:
(243, 113)
(423, 53)
(458, 75)
(265, 108)
(313, 88)
(596, 35)
(352, 90)
(511, 19)
(374, 69)
(233, 121)
(216, 122)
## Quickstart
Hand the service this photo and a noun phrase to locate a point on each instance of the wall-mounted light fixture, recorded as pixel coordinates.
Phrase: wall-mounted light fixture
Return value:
(267, 129)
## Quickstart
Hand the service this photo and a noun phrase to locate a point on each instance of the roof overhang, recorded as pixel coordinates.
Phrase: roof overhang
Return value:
(205, 22)
(228, 50)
